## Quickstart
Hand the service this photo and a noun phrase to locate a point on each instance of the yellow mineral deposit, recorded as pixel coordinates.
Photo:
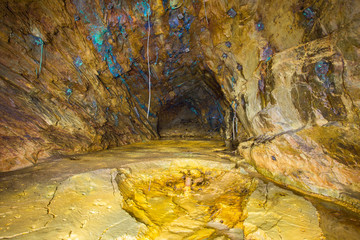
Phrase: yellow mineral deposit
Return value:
(168, 189)
(180, 119)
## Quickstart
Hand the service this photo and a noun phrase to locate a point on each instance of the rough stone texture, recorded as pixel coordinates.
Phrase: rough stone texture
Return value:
(185, 199)
(92, 90)
(74, 104)
(85, 206)
(288, 70)
(290, 75)
(300, 109)
(188, 188)
(275, 213)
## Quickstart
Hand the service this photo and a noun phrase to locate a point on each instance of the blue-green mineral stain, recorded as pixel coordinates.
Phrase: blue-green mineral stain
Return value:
(116, 119)
(122, 28)
(100, 34)
(38, 41)
(68, 92)
(188, 19)
(309, 13)
(233, 82)
(259, 26)
(321, 69)
(173, 20)
(78, 62)
(144, 8)
(194, 110)
(232, 13)
(267, 53)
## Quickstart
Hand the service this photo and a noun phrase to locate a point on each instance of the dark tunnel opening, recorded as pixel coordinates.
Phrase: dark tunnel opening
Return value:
(195, 108)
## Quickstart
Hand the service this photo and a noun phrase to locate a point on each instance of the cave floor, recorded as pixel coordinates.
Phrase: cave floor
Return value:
(166, 189)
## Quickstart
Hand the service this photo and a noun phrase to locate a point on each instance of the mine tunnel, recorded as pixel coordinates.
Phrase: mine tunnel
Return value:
(196, 108)
(180, 119)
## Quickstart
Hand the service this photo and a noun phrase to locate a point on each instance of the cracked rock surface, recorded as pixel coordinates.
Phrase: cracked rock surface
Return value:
(84, 206)
(161, 190)
(275, 213)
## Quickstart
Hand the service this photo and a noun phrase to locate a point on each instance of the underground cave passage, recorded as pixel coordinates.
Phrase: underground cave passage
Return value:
(180, 119)
(196, 111)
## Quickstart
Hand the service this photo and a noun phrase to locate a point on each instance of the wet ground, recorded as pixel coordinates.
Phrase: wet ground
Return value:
(169, 189)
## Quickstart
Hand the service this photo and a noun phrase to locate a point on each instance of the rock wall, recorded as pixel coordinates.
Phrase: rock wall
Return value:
(57, 94)
(290, 71)
(75, 77)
